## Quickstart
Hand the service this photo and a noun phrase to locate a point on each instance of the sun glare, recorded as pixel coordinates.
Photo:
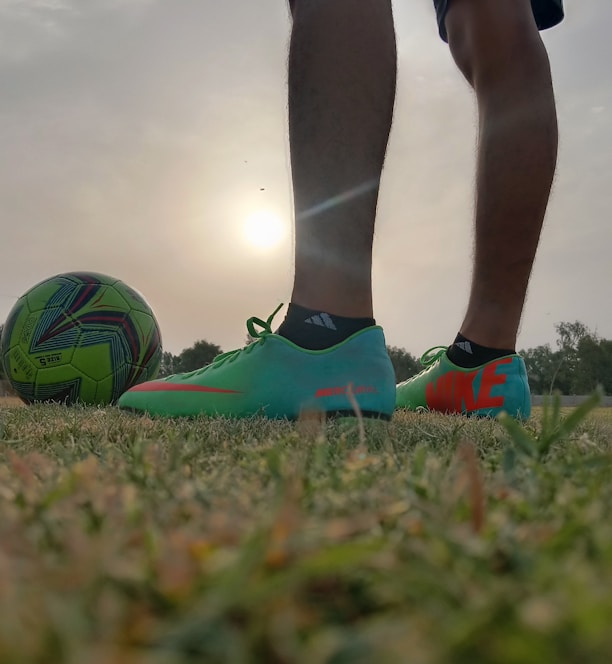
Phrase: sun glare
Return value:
(264, 229)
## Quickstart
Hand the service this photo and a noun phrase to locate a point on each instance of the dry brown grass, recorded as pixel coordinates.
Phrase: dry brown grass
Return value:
(10, 401)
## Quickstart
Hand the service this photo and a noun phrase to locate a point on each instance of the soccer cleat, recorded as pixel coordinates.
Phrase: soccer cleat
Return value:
(494, 387)
(277, 379)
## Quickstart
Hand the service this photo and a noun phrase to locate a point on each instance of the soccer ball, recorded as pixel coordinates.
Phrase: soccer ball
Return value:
(79, 337)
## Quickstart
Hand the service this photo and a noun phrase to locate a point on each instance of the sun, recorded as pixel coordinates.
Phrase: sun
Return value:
(264, 229)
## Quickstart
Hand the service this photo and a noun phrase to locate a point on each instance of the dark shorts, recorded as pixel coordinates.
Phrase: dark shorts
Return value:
(547, 13)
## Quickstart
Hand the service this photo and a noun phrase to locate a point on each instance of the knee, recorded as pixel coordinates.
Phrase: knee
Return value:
(488, 38)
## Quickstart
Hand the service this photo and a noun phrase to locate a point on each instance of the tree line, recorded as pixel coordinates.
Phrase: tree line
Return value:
(579, 363)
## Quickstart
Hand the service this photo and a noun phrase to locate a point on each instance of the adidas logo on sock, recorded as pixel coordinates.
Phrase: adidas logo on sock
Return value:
(322, 320)
(465, 346)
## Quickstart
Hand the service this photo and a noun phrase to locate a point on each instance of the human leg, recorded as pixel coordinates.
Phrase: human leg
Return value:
(497, 47)
(341, 92)
(342, 75)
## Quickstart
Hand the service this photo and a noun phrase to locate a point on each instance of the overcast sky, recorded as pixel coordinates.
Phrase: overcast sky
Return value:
(136, 138)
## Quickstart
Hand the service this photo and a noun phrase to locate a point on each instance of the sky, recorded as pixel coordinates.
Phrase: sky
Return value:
(137, 138)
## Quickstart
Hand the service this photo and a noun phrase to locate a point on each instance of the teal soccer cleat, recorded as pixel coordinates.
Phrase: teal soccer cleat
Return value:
(494, 387)
(277, 379)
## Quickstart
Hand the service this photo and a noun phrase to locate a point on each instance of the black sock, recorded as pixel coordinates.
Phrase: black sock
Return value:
(466, 354)
(317, 330)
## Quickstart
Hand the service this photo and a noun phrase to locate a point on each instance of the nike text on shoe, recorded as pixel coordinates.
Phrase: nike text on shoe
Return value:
(277, 379)
(492, 388)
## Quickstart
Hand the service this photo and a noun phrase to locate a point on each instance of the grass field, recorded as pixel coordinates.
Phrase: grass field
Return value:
(127, 540)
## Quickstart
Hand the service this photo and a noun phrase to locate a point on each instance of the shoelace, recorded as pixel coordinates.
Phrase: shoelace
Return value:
(258, 336)
(432, 355)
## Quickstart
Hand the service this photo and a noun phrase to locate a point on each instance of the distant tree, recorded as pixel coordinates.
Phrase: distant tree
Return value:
(404, 364)
(539, 362)
(594, 365)
(605, 365)
(192, 358)
(581, 362)
(544, 370)
(2, 374)
(199, 355)
(169, 364)
(569, 337)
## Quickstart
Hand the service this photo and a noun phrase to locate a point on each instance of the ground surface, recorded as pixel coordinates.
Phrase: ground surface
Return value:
(432, 539)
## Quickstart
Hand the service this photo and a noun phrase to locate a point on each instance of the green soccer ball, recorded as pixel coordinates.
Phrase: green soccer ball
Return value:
(79, 337)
